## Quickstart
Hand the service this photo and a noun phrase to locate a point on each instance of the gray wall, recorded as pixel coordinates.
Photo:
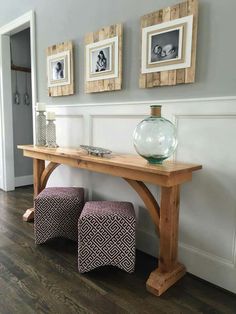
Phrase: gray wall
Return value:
(22, 114)
(58, 21)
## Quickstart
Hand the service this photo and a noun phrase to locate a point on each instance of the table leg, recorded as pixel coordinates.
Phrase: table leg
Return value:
(169, 270)
(38, 168)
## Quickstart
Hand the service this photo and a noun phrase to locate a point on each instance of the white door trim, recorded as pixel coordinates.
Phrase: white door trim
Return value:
(7, 179)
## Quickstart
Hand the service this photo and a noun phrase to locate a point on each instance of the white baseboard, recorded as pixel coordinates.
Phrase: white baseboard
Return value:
(147, 243)
(226, 277)
(24, 180)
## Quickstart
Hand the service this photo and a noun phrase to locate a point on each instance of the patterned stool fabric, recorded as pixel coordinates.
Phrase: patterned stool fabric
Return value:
(57, 211)
(106, 236)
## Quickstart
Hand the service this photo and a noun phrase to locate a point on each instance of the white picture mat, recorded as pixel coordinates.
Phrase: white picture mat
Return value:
(180, 29)
(65, 55)
(189, 29)
(93, 46)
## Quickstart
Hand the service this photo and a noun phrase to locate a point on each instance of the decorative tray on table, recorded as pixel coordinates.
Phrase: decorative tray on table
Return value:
(96, 151)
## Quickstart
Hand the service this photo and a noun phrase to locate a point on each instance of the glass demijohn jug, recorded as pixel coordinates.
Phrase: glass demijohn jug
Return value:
(155, 137)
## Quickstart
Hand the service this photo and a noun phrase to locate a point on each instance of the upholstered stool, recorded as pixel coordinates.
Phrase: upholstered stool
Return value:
(106, 236)
(57, 211)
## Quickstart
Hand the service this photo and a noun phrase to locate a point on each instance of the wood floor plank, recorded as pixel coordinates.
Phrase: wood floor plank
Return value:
(45, 279)
(10, 298)
(61, 286)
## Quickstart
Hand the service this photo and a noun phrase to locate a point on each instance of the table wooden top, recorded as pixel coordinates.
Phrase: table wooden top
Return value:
(134, 162)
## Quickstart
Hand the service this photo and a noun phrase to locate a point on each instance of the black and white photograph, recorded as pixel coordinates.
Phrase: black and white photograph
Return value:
(58, 69)
(165, 46)
(100, 60)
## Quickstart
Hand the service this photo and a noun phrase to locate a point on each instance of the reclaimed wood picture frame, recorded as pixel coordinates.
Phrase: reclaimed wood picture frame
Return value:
(169, 40)
(60, 69)
(103, 59)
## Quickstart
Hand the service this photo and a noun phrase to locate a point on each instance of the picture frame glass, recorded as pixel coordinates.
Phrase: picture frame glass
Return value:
(102, 59)
(167, 46)
(58, 68)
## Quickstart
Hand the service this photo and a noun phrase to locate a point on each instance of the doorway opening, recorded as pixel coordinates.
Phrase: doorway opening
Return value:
(21, 104)
(18, 98)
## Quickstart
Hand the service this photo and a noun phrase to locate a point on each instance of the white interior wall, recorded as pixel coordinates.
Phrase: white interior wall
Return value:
(207, 211)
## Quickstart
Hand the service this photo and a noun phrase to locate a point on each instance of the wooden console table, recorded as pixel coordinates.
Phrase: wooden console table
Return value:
(135, 171)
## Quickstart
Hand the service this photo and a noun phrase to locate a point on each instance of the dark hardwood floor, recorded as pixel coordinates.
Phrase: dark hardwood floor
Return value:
(44, 279)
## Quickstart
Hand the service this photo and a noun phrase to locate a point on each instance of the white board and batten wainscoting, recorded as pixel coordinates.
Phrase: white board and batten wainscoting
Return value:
(206, 133)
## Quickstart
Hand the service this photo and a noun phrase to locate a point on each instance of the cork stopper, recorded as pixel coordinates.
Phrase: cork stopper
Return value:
(156, 111)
